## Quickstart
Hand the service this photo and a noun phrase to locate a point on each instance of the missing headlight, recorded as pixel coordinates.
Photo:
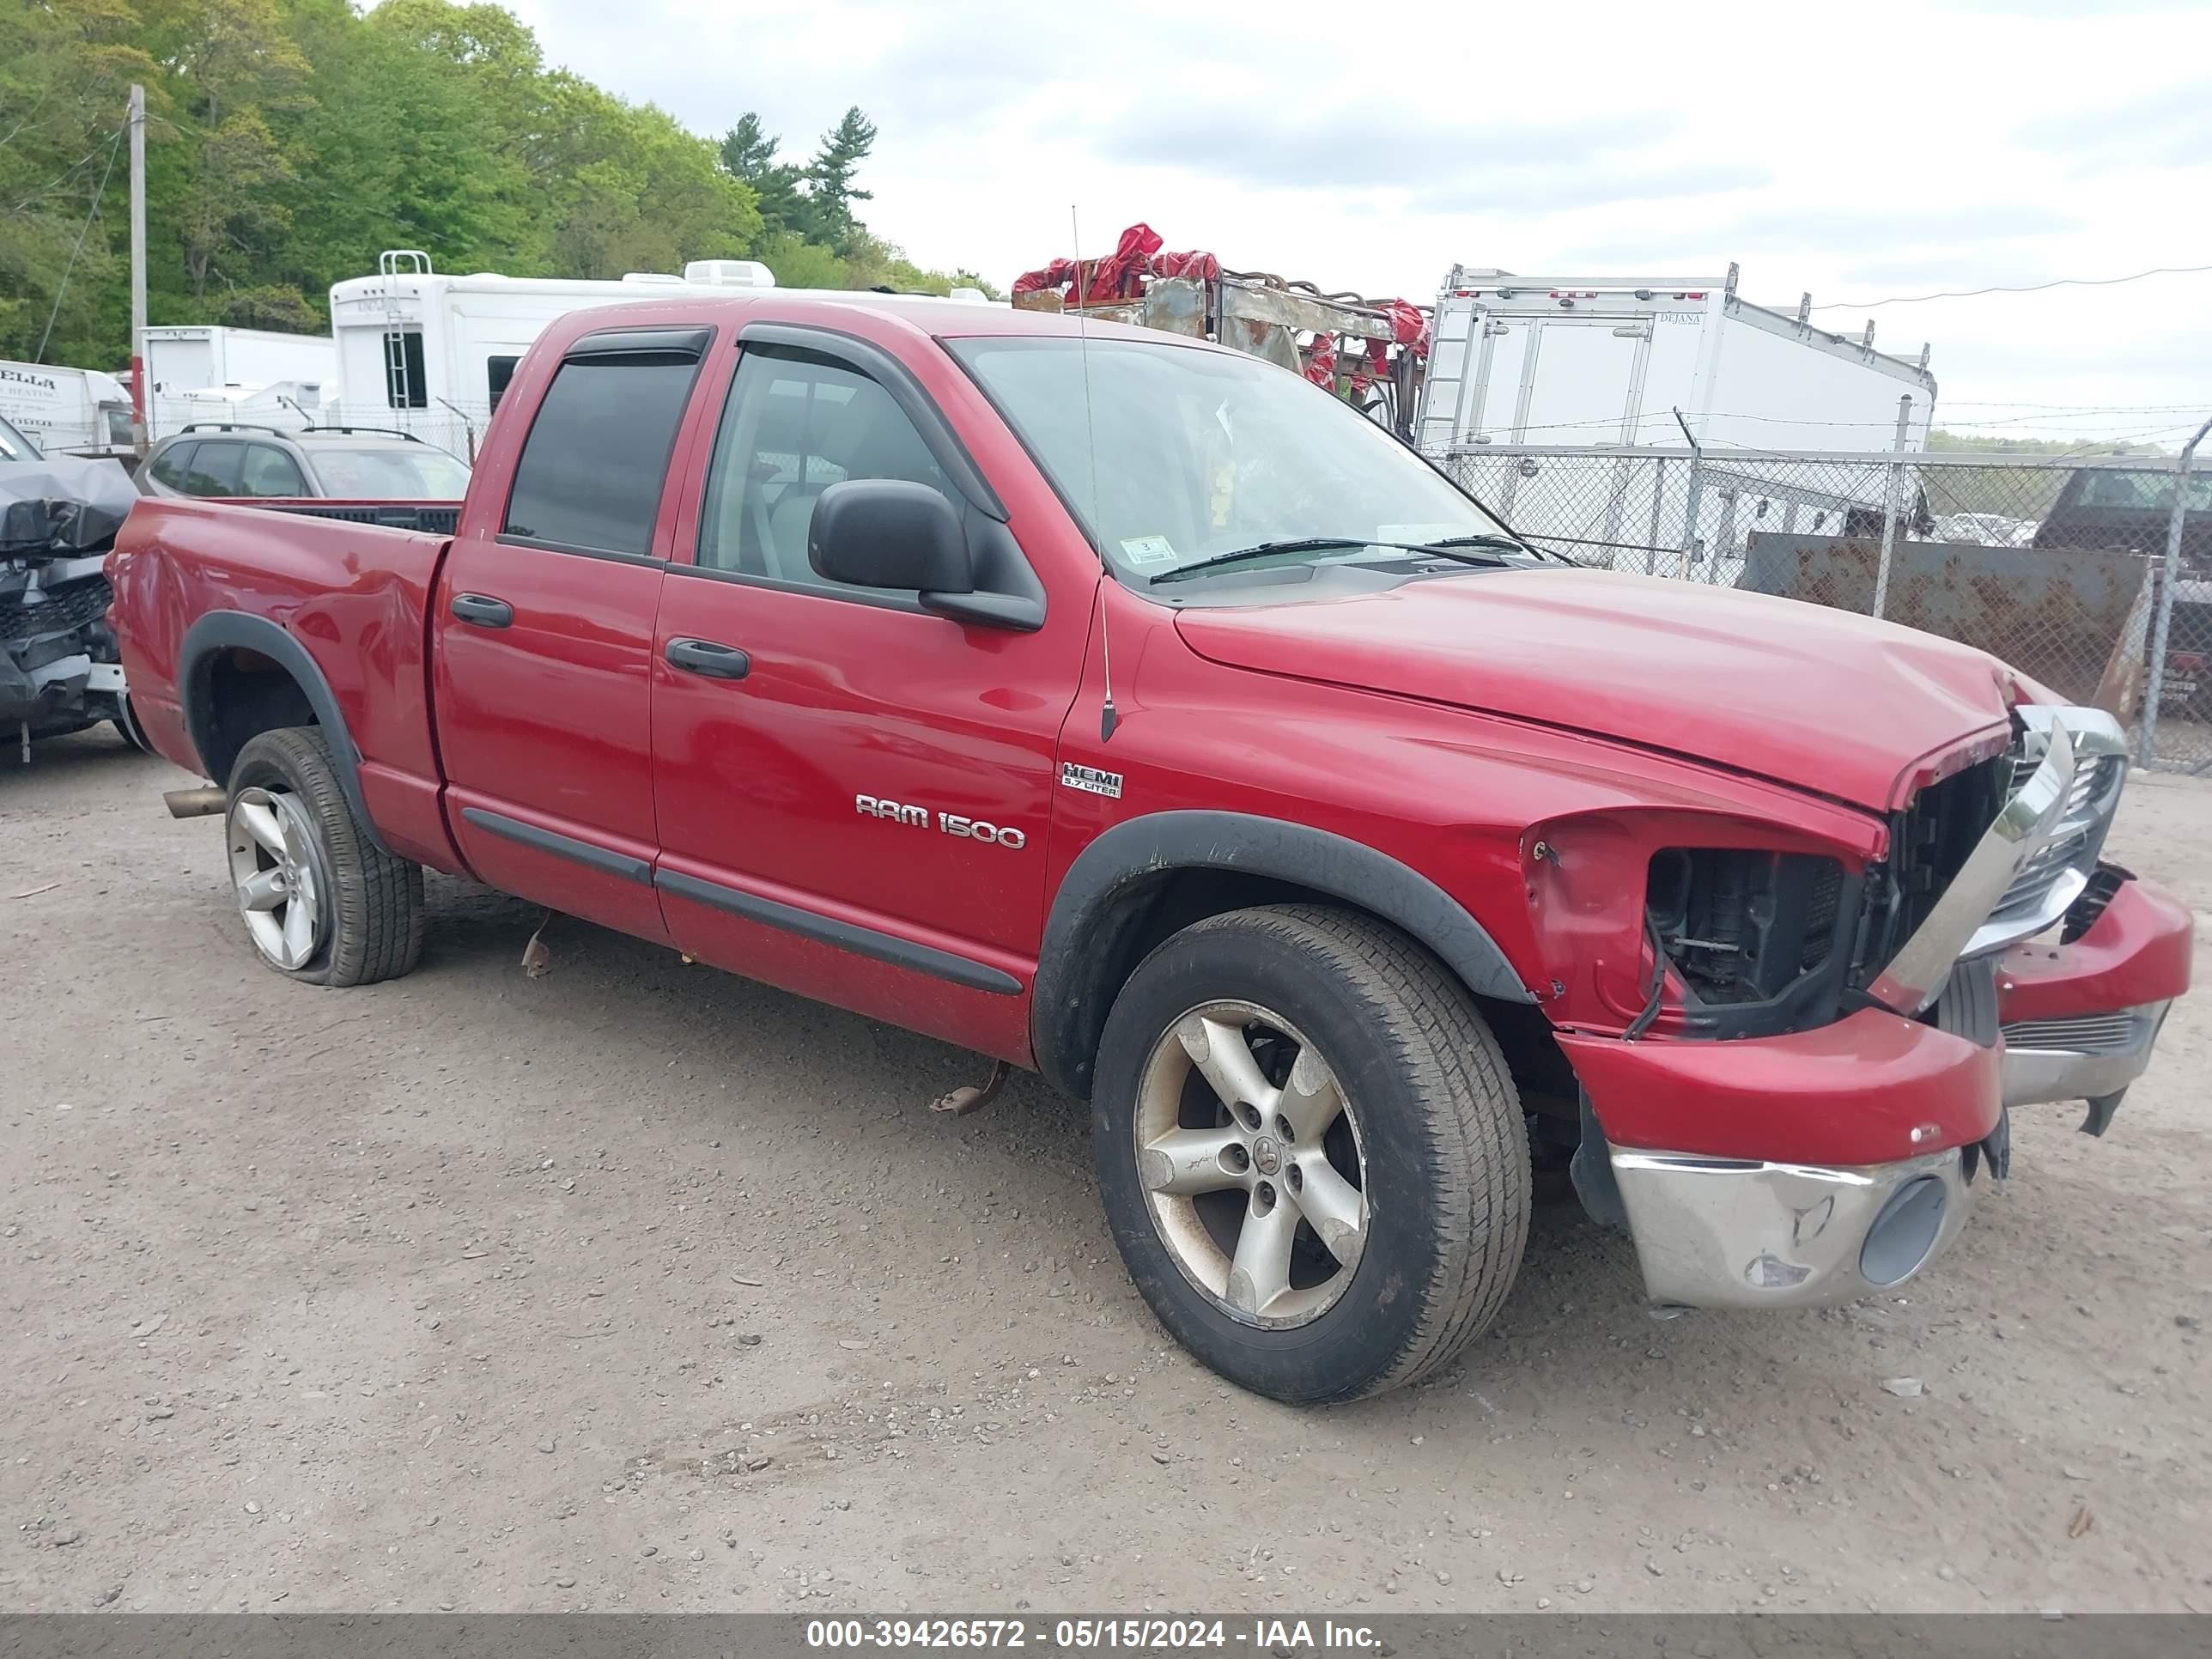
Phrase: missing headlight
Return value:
(1743, 926)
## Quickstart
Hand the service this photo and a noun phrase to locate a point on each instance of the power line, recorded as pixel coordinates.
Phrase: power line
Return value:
(91, 214)
(2030, 288)
(59, 179)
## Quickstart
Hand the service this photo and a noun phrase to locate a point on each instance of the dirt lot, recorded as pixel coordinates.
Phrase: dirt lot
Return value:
(639, 1287)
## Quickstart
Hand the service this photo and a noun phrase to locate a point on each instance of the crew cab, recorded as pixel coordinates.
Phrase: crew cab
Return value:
(1121, 707)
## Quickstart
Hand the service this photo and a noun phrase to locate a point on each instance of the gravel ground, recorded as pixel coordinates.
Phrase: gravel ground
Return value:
(637, 1286)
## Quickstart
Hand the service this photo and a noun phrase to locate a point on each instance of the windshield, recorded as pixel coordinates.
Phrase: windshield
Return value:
(14, 446)
(388, 472)
(1172, 455)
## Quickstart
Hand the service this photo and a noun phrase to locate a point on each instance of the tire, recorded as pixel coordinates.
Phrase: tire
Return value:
(1428, 1139)
(321, 902)
(127, 728)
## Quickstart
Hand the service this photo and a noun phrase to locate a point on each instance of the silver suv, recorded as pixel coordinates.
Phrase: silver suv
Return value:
(335, 463)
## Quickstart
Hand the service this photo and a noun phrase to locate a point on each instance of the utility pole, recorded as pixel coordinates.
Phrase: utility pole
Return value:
(138, 268)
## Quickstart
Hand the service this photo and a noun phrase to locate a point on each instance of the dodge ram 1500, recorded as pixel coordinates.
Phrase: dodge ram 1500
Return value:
(1124, 707)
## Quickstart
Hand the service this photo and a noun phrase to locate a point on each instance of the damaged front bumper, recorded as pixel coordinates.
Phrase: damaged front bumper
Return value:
(2080, 1018)
(1721, 1233)
(1820, 1166)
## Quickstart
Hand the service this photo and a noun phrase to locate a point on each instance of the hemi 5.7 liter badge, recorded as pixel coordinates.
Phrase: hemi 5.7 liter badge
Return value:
(1089, 780)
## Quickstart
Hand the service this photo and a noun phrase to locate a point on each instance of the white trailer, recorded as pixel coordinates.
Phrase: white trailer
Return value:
(66, 411)
(1610, 360)
(432, 355)
(201, 358)
(1653, 363)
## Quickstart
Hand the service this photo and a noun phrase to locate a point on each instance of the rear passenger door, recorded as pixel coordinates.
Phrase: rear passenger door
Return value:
(544, 630)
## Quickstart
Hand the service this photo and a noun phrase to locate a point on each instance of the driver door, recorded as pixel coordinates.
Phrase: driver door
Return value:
(852, 793)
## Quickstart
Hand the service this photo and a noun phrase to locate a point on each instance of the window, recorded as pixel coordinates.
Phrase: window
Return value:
(170, 466)
(1170, 453)
(388, 472)
(2143, 491)
(793, 425)
(593, 466)
(498, 373)
(406, 386)
(213, 470)
(268, 471)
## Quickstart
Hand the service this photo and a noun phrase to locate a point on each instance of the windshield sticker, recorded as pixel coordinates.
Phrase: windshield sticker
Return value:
(1148, 549)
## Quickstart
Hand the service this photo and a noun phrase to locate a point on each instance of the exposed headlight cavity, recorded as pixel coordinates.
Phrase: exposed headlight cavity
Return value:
(1742, 926)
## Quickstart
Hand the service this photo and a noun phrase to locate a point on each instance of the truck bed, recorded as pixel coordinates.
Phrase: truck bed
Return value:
(351, 591)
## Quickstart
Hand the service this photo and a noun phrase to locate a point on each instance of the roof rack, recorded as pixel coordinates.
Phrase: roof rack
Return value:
(294, 431)
(377, 431)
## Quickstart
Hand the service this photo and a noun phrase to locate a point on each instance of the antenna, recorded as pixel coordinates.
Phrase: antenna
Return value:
(1108, 719)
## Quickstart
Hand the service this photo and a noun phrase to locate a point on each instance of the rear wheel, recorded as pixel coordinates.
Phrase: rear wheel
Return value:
(1312, 1155)
(321, 902)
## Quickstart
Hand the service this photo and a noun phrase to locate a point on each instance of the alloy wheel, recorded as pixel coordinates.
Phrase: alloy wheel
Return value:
(1252, 1165)
(275, 873)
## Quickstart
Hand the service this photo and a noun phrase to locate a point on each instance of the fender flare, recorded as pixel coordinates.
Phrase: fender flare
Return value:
(225, 630)
(1071, 998)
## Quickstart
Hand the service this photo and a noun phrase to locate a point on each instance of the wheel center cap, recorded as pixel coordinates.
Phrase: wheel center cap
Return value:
(1266, 1156)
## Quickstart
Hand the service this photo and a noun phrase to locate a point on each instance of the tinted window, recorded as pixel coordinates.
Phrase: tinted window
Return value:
(269, 471)
(498, 373)
(214, 469)
(404, 384)
(14, 446)
(391, 472)
(592, 468)
(2142, 491)
(794, 426)
(169, 466)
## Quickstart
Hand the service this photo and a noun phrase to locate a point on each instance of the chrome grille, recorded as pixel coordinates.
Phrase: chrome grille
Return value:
(2078, 1034)
(2071, 853)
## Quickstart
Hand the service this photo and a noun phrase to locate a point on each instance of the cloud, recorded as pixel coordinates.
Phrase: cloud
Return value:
(1931, 272)
(1802, 228)
(2171, 127)
(1558, 188)
(1356, 145)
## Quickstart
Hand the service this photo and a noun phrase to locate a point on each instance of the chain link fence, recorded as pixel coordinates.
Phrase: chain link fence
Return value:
(2072, 571)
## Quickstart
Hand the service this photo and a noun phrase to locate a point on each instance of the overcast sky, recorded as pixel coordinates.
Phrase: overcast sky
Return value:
(1858, 151)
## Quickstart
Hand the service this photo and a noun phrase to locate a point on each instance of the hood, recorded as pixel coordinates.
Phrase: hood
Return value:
(1823, 700)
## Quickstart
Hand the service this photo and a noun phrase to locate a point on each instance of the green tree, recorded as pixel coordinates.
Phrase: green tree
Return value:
(66, 68)
(750, 155)
(798, 263)
(290, 141)
(831, 192)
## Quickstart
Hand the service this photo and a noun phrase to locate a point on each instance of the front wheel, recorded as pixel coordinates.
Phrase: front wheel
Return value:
(1311, 1154)
(321, 902)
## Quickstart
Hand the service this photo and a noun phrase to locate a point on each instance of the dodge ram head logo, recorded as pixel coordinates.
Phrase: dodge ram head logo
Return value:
(951, 824)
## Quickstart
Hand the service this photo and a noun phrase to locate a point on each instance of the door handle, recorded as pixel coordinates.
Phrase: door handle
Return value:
(482, 610)
(716, 662)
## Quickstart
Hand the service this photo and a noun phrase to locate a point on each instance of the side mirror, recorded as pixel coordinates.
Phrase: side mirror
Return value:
(888, 533)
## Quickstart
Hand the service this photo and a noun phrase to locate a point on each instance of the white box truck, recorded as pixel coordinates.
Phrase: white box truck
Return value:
(66, 411)
(1531, 363)
(1609, 360)
(431, 355)
(205, 358)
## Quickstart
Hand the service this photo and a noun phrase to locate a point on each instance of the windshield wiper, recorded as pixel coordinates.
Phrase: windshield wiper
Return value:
(1516, 543)
(1326, 543)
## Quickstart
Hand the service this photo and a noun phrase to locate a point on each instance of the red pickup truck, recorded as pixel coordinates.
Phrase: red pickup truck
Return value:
(1122, 707)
